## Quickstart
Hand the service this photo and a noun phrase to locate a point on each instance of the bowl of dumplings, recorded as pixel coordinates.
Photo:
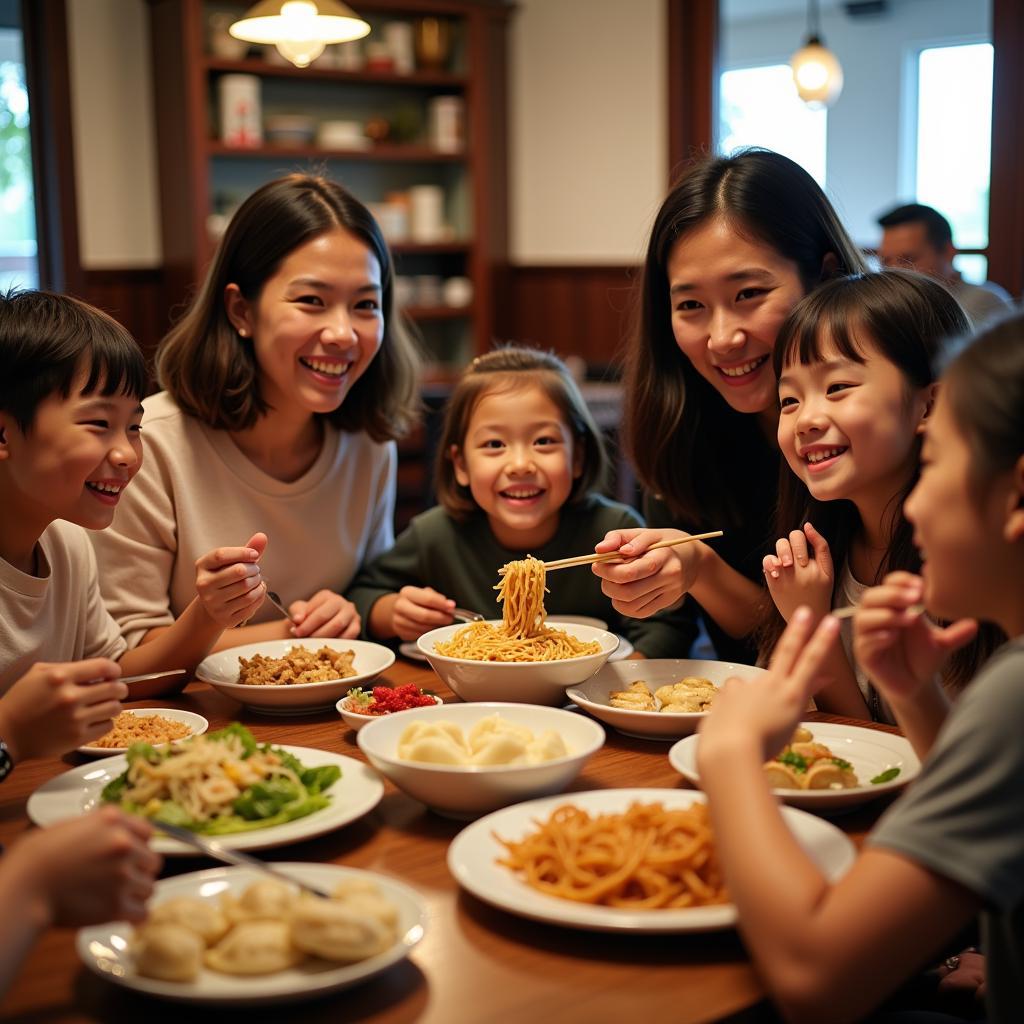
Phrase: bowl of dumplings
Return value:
(464, 760)
(237, 937)
(657, 698)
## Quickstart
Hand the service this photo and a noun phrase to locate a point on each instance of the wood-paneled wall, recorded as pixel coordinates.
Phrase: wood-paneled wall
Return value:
(575, 310)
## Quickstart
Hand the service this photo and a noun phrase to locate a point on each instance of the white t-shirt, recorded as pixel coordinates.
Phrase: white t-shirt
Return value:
(197, 491)
(849, 592)
(58, 615)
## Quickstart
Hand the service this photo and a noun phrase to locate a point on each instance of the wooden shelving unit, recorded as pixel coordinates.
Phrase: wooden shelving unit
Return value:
(201, 175)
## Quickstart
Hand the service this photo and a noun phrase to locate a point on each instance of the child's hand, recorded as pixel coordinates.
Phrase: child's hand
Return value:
(766, 709)
(325, 614)
(229, 583)
(658, 580)
(95, 868)
(897, 646)
(799, 576)
(52, 709)
(419, 609)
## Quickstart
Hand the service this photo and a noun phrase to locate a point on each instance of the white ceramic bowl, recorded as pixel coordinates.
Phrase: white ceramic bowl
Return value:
(592, 695)
(357, 720)
(196, 723)
(528, 682)
(220, 670)
(466, 791)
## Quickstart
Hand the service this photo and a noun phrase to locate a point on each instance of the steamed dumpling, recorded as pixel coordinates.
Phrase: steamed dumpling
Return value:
(337, 930)
(201, 916)
(167, 951)
(546, 747)
(433, 742)
(362, 896)
(263, 900)
(501, 748)
(255, 947)
(494, 725)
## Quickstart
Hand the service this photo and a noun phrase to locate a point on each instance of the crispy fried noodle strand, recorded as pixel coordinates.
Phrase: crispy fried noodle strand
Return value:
(647, 858)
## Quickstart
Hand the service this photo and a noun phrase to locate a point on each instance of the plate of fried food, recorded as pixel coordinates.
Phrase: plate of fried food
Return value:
(660, 698)
(633, 860)
(234, 937)
(294, 677)
(155, 726)
(825, 766)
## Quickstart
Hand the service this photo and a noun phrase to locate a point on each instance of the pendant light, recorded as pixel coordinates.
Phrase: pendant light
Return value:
(300, 29)
(816, 71)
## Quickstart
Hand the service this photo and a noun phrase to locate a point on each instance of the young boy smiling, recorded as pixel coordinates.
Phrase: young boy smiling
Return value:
(71, 384)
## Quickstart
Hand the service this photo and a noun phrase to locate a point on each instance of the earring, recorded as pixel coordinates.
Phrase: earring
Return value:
(242, 332)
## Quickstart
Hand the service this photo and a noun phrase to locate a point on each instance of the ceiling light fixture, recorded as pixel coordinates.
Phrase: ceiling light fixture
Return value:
(816, 70)
(300, 29)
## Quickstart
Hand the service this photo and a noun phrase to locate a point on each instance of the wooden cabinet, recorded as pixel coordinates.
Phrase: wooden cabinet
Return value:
(203, 177)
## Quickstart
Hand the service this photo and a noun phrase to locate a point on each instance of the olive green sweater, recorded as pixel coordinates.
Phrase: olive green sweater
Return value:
(461, 560)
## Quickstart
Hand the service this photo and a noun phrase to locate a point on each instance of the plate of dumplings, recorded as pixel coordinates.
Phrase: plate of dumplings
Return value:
(234, 936)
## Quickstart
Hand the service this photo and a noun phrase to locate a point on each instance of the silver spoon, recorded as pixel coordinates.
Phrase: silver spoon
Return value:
(277, 603)
(214, 849)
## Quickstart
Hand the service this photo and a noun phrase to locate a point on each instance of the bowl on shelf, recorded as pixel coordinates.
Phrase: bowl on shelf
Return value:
(525, 682)
(469, 790)
(289, 129)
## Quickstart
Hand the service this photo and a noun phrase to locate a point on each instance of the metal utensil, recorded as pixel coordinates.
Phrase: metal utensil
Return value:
(149, 675)
(278, 603)
(214, 849)
(465, 615)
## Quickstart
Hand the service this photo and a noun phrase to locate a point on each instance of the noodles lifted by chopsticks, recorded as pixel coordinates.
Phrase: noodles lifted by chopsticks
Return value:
(522, 635)
(647, 858)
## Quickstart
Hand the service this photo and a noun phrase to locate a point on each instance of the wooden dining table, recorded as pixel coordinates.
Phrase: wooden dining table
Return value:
(476, 964)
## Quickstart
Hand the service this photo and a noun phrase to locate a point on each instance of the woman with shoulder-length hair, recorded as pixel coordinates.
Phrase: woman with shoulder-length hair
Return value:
(285, 384)
(736, 244)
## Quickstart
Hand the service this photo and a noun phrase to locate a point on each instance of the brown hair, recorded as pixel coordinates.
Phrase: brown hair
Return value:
(682, 436)
(910, 320)
(510, 368)
(213, 375)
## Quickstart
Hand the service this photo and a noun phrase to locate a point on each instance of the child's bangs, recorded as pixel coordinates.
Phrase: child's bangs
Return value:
(116, 365)
(817, 331)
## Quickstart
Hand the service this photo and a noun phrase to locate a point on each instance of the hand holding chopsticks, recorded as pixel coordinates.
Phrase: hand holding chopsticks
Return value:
(615, 556)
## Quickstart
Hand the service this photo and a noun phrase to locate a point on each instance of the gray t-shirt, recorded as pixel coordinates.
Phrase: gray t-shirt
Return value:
(964, 817)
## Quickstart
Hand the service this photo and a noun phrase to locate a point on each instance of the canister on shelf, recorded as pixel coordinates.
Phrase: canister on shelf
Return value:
(426, 213)
(240, 110)
(445, 118)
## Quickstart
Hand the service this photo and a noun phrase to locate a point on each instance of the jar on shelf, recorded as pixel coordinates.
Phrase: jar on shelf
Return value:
(426, 214)
(433, 43)
(399, 40)
(240, 110)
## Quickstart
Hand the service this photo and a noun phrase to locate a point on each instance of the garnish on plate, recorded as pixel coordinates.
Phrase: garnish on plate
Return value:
(887, 776)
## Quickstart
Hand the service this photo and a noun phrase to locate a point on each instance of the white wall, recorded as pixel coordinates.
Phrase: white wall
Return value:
(866, 172)
(588, 139)
(114, 134)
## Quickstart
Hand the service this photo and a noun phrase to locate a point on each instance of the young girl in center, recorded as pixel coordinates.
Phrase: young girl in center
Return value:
(519, 461)
(952, 846)
(856, 388)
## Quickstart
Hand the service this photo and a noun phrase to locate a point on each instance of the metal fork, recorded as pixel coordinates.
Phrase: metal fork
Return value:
(465, 615)
(214, 849)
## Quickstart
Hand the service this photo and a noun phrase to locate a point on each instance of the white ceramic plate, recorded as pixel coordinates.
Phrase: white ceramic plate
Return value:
(870, 751)
(220, 670)
(473, 854)
(195, 722)
(103, 948)
(592, 694)
(357, 791)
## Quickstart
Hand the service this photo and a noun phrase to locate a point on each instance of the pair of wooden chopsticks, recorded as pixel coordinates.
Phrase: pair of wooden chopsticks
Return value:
(851, 609)
(615, 556)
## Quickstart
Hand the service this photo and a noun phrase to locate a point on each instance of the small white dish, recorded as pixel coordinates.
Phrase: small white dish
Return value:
(526, 682)
(357, 792)
(356, 720)
(196, 723)
(593, 694)
(104, 948)
(220, 670)
(870, 751)
(463, 791)
(474, 853)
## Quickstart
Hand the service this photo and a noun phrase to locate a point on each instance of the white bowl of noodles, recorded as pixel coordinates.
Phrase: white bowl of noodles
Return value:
(467, 790)
(522, 682)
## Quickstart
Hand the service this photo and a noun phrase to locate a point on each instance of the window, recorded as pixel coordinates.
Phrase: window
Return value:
(954, 139)
(760, 107)
(19, 265)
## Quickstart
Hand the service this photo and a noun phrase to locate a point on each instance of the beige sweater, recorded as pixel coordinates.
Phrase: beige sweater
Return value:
(196, 491)
(57, 615)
